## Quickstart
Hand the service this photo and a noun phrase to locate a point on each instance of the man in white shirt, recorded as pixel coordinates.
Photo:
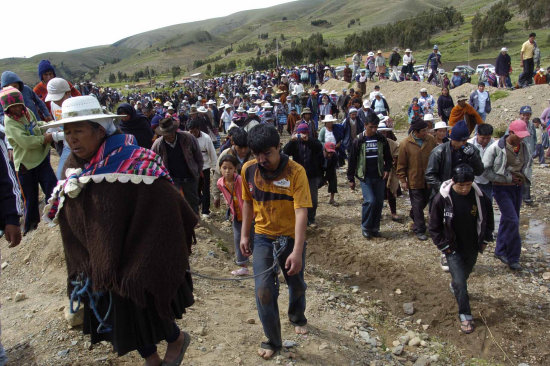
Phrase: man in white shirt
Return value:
(481, 101)
(408, 62)
(482, 141)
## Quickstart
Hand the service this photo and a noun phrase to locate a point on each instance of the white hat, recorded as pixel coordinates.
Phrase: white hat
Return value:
(85, 108)
(383, 118)
(228, 106)
(333, 92)
(352, 110)
(252, 110)
(408, 50)
(210, 102)
(304, 68)
(201, 109)
(382, 127)
(428, 117)
(241, 109)
(370, 53)
(327, 68)
(504, 49)
(440, 125)
(267, 105)
(456, 70)
(366, 103)
(57, 87)
(253, 92)
(167, 104)
(423, 90)
(329, 118)
(222, 95)
(276, 101)
(377, 94)
(324, 91)
(542, 69)
(169, 107)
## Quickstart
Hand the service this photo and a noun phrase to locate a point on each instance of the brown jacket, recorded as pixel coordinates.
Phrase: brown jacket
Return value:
(412, 161)
(191, 151)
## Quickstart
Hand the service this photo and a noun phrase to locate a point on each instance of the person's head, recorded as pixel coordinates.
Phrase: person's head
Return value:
(46, 72)
(352, 113)
(356, 103)
(264, 141)
(371, 124)
(481, 86)
(504, 50)
(58, 91)
(436, 49)
(377, 96)
(532, 37)
(419, 127)
(194, 127)
(463, 177)
(127, 111)
(517, 132)
(484, 134)
(228, 166)
(306, 114)
(84, 138)
(12, 102)
(330, 148)
(525, 113)
(440, 131)
(459, 135)
(537, 122)
(445, 91)
(461, 100)
(424, 92)
(415, 101)
(302, 131)
(239, 139)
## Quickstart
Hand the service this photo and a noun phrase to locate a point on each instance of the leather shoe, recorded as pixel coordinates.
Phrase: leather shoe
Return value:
(421, 236)
(367, 234)
(515, 266)
(376, 234)
(501, 258)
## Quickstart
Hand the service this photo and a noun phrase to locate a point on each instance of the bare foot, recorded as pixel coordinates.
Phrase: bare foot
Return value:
(173, 350)
(266, 354)
(301, 330)
(153, 360)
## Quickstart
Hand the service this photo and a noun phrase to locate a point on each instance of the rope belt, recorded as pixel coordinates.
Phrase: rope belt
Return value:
(82, 289)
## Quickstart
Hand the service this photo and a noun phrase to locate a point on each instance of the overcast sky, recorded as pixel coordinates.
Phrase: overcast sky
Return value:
(32, 27)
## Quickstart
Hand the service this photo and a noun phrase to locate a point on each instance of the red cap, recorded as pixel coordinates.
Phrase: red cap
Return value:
(519, 128)
(330, 147)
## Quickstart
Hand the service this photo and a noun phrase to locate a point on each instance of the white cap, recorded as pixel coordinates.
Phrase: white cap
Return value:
(352, 110)
(504, 49)
(366, 103)
(428, 117)
(440, 124)
(57, 87)
(423, 90)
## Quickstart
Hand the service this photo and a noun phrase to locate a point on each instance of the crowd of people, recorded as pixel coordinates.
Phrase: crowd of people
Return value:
(223, 137)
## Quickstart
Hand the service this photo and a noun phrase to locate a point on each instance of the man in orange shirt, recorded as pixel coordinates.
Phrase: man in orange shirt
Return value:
(46, 72)
(464, 111)
(276, 194)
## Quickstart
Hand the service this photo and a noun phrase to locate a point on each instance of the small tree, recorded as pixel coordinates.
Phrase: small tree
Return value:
(176, 71)
(112, 78)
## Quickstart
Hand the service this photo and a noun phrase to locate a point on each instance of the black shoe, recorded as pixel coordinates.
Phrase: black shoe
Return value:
(421, 236)
(376, 234)
(502, 258)
(367, 234)
(515, 266)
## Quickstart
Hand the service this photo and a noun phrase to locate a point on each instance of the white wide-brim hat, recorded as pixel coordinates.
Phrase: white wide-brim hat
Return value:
(83, 108)
(383, 118)
(201, 109)
(329, 118)
(440, 125)
(382, 127)
(408, 50)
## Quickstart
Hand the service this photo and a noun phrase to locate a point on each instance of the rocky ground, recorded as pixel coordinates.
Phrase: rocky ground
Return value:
(379, 302)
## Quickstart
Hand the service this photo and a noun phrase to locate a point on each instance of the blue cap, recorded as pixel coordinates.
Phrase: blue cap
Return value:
(435, 47)
(525, 109)
(460, 131)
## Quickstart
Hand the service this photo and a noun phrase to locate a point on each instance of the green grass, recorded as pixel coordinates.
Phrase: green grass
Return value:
(499, 94)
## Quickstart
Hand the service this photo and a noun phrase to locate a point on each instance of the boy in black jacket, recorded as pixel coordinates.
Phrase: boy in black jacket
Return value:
(461, 225)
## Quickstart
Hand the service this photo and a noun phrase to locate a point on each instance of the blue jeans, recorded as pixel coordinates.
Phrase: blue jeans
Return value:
(373, 201)
(508, 239)
(64, 155)
(237, 228)
(487, 189)
(460, 267)
(267, 290)
(483, 116)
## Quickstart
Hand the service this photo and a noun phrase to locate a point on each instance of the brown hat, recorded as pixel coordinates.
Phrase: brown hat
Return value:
(167, 126)
(193, 110)
(306, 110)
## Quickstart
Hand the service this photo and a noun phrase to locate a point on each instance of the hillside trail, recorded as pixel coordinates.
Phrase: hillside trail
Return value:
(356, 292)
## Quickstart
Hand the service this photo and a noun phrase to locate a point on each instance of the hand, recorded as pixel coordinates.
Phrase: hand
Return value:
(13, 235)
(245, 247)
(516, 179)
(294, 137)
(293, 263)
(10, 154)
(217, 203)
(352, 185)
(404, 186)
(48, 138)
(448, 251)
(48, 119)
(202, 174)
(386, 175)
(468, 150)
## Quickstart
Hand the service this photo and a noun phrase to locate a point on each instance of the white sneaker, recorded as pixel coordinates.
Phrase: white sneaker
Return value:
(205, 216)
(444, 264)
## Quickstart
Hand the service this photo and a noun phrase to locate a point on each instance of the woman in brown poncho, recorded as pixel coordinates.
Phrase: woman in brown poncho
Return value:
(127, 236)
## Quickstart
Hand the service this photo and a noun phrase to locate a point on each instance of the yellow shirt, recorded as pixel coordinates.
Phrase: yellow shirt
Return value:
(527, 48)
(274, 201)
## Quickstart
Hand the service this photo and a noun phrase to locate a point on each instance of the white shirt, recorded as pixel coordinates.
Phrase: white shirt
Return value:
(329, 136)
(207, 150)
(480, 179)
(482, 100)
(298, 88)
(407, 59)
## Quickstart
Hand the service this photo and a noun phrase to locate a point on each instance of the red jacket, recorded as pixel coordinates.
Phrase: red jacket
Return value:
(238, 186)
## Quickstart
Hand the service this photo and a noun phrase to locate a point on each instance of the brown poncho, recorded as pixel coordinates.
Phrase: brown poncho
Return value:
(132, 239)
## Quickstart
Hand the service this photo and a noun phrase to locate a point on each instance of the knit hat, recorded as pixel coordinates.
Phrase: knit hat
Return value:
(10, 96)
(418, 124)
(43, 67)
(460, 131)
(302, 128)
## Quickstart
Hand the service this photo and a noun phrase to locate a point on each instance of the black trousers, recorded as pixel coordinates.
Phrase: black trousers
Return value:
(419, 200)
(526, 76)
(204, 192)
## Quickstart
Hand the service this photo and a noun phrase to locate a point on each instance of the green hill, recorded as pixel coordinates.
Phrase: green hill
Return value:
(243, 35)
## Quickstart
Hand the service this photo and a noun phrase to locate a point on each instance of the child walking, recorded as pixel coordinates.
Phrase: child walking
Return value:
(230, 184)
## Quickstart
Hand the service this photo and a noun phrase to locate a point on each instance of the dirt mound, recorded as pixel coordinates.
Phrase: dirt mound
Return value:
(334, 84)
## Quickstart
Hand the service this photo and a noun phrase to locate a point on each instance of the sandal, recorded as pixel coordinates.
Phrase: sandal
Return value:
(467, 326)
(243, 271)
(179, 359)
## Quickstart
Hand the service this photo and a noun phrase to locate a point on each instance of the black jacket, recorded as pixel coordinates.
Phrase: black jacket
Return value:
(440, 166)
(395, 59)
(308, 154)
(441, 218)
(138, 125)
(11, 205)
(357, 147)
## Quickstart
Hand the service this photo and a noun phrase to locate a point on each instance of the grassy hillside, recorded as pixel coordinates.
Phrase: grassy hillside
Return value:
(182, 44)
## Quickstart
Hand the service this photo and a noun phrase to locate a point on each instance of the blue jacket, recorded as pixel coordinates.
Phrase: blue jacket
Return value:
(434, 59)
(10, 197)
(32, 101)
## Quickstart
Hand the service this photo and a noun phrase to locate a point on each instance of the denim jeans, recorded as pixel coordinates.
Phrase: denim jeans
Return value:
(29, 180)
(460, 267)
(314, 190)
(483, 116)
(64, 155)
(373, 201)
(237, 227)
(508, 238)
(267, 290)
(419, 200)
(539, 152)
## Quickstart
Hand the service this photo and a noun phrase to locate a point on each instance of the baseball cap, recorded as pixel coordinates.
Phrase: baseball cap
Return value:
(519, 128)
(57, 87)
(525, 109)
(330, 147)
